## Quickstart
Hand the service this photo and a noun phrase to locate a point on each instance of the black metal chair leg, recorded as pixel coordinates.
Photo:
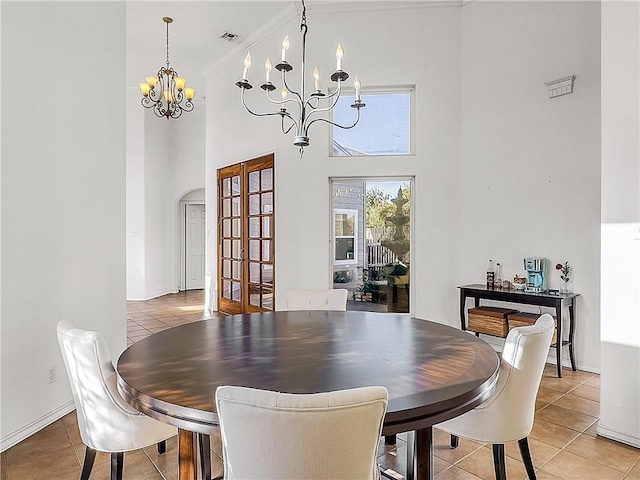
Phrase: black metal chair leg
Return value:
(162, 447)
(117, 465)
(454, 441)
(523, 443)
(89, 458)
(204, 443)
(498, 461)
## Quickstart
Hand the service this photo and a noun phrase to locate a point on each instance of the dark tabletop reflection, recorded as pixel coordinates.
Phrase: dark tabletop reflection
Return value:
(422, 364)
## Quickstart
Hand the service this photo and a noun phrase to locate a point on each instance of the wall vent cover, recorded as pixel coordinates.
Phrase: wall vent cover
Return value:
(230, 37)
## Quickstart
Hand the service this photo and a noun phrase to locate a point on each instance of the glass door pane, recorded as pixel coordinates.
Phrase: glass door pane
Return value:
(371, 243)
(230, 239)
(260, 213)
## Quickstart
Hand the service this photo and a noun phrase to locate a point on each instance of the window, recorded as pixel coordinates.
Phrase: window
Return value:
(345, 236)
(384, 127)
(378, 211)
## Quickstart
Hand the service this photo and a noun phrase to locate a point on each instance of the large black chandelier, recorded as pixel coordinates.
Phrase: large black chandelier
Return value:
(166, 93)
(307, 108)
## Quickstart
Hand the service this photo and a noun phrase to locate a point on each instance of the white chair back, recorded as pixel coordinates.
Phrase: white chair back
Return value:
(333, 299)
(508, 414)
(106, 422)
(267, 435)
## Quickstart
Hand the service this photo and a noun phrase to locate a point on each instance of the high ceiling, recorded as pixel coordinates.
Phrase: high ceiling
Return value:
(194, 36)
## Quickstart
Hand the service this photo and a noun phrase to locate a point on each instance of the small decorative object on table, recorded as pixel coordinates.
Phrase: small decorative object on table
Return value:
(519, 282)
(565, 271)
(491, 276)
(497, 281)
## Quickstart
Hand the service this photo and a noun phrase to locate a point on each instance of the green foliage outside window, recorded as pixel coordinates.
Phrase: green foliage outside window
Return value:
(379, 206)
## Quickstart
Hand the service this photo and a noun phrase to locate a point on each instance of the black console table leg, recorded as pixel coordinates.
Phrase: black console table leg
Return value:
(559, 340)
(572, 321)
(463, 305)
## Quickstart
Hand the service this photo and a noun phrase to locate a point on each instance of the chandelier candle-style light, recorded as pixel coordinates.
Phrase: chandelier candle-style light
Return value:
(166, 93)
(306, 107)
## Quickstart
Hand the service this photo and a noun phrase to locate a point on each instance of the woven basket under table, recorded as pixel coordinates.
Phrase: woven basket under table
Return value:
(523, 319)
(490, 320)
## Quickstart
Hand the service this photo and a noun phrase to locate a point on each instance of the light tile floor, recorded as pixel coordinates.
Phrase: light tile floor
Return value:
(564, 444)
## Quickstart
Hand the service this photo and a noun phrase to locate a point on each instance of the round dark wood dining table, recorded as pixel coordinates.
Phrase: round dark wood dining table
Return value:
(433, 372)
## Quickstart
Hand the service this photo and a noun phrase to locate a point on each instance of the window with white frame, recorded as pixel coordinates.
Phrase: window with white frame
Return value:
(384, 128)
(345, 236)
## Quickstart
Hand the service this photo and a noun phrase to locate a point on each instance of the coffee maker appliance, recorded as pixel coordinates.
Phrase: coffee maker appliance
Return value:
(536, 268)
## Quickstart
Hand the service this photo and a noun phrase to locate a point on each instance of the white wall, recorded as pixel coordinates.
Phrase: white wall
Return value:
(136, 289)
(187, 173)
(157, 205)
(186, 152)
(620, 310)
(165, 160)
(496, 164)
(430, 60)
(63, 244)
(530, 182)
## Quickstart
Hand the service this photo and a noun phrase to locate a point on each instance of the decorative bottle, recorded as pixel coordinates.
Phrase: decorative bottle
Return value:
(497, 279)
(490, 275)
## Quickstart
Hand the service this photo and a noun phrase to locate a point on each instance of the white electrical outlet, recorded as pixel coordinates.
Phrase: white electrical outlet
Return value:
(52, 375)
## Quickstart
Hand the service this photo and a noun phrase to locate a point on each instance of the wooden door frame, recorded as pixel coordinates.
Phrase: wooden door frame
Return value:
(242, 169)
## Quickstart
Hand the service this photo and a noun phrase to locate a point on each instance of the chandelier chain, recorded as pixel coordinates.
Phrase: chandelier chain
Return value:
(303, 29)
(303, 20)
(167, 45)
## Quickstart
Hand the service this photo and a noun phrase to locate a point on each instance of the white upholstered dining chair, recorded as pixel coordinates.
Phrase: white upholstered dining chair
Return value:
(333, 435)
(331, 299)
(106, 422)
(508, 414)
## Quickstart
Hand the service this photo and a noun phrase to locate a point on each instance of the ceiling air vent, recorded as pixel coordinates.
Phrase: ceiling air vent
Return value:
(230, 37)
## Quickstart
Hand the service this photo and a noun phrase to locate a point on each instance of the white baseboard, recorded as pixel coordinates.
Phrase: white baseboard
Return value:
(22, 433)
(586, 367)
(617, 436)
(498, 343)
(152, 296)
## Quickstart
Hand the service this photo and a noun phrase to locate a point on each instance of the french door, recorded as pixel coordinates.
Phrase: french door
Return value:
(246, 236)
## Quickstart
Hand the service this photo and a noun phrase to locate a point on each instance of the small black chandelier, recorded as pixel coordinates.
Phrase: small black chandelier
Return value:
(307, 107)
(166, 93)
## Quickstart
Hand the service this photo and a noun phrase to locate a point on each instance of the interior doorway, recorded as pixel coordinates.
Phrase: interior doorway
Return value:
(371, 242)
(194, 252)
(191, 213)
(246, 193)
